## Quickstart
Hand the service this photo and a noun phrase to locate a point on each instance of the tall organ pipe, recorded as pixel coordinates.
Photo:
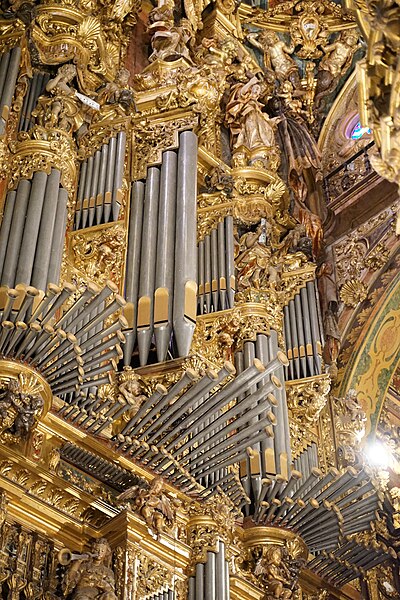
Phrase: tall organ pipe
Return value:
(9, 86)
(93, 187)
(102, 183)
(165, 253)
(118, 174)
(112, 144)
(57, 245)
(6, 225)
(230, 260)
(145, 321)
(46, 229)
(33, 217)
(185, 288)
(16, 233)
(133, 261)
(5, 61)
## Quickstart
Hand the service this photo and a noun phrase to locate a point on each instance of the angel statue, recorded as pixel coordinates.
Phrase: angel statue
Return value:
(157, 509)
(277, 56)
(337, 59)
(274, 573)
(91, 577)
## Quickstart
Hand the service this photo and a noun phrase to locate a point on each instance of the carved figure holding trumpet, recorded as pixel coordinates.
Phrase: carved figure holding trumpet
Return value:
(89, 576)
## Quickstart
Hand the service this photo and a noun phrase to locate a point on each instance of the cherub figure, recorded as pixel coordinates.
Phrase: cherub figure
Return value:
(274, 574)
(7, 396)
(117, 93)
(157, 509)
(337, 60)
(277, 54)
(60, 108)
(130, 392)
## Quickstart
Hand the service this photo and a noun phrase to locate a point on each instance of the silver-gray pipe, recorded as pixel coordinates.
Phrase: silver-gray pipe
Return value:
(207, 273)
(300, 334)
(200, 276)
(16, 233)
(9, 86)
(46, 230)
(118, 174)
(230, 261)
(80, 194)
(145, 319)
(6, 226)
(33, 218)
(314, 326)
(164, 282)
(93, 188)
(185, 286)
(222, 265)
(214, 270)
(57, 244)
(200, 581)
(133, 261)
(101, 183)
(210, 577)
(5, 61)
(307, 330)
(112, 146)
(220, 571)
(86, 193)
(295, 340)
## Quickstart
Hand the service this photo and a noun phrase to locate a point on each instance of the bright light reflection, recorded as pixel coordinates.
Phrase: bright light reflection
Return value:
(378, 454)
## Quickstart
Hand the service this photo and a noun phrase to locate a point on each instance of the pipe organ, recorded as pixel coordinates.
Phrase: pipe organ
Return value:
(167, 424)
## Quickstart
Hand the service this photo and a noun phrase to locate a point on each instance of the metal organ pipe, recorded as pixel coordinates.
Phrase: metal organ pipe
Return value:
(46, 229)
(145, 312)
(16, 232)
(185, 288)
(165, 253)
(10, 67)
(133, 261)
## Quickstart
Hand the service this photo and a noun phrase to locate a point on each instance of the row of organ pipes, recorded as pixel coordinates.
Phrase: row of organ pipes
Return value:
(216, 268)
(211, 579)
(33, 230)
(99, 195)
(303, 333)
(161, 260)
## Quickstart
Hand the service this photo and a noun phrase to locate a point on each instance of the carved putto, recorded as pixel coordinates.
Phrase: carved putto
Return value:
(91, 577)
(157, 509)
(60, 108)
(20, 406)
(276, 568)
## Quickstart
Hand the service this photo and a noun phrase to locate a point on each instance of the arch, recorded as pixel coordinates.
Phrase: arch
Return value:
(377, 355)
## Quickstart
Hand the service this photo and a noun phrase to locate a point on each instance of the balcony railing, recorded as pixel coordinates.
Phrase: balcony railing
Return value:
(347, 175)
